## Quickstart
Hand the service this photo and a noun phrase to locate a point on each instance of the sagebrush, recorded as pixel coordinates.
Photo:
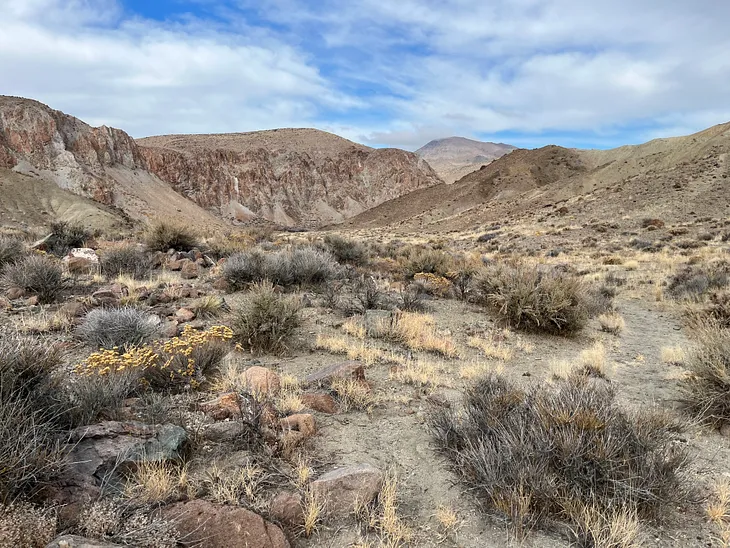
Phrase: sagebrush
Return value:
(37, 275)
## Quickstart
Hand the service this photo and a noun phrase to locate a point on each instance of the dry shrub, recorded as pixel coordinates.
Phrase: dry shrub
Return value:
(543, 452)
(707, 388)
(426, 261)
(25, 525)
(266, 320)
(93, 396)
(127, 260)
(611, 322)
(693, 282)
(415, 331)
(301, 265)
(66, 236)
(36, 274)
(346, 251)
(528, 298)
(166, 235)
(116, 327)
(11, 250)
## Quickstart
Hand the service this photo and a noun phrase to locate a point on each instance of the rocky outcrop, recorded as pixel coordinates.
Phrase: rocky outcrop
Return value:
(286, 184)
(291, 177)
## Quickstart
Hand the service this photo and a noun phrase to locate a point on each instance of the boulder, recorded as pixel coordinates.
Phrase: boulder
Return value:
(225, 431)
(349, 369)
(189, 271)
(74, 541)
(81, 260)
(286, 507)
(261, 380)
(184, 315)
(320, 401)
(202, 523)
(301, 422)
(342, 488)
(111, 294)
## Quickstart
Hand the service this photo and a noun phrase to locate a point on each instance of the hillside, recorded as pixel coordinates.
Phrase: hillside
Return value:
(454, 157)
(672, 178)
(289, 176)
(293, 177)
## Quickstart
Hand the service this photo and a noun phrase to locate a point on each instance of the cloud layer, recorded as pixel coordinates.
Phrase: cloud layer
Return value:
(385, 73)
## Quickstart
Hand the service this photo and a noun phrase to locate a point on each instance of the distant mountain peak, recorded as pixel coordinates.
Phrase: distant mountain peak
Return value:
(453, 157)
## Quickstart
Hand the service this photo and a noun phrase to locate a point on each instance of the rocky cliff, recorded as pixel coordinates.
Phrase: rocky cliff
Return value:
(289, 176)
(292, 177)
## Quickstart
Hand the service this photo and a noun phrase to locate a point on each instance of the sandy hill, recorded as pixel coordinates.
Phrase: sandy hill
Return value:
(673, 178)
(454, 157)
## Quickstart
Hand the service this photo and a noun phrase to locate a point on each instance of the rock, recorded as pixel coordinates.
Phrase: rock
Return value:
(225, 431)
(344, 487)
(78, 265)
(286, 507)
(177, 265)
(202, 523)
(32, 301)
(101, 451)
(158, 259)
(190, 271)
(74, 541)
(725, 429)
(261, 380)
(221, 284)
(226, 406)
(15, 293)
(111, 294)
(189, 293)
(349, 369)
(170, 329)
(184, 315)
(320, 401)
(301, 422)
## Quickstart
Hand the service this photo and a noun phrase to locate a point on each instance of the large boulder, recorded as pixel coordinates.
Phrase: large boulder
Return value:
(202, 523)
(344, 488)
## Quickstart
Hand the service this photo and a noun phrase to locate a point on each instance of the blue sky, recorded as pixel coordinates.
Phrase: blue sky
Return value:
(527, 72)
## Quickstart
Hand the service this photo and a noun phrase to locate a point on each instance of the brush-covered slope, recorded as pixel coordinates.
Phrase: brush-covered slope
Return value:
(288, 176)
(454, 157)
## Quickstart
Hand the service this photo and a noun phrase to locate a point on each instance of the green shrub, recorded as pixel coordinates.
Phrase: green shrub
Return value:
(531, 299)
(707, 389)
(125, 259)
(36, 274)
(116, 327)
(346, 250)
(166, 235)
(545, 452)
(11, 250)
(266, 320)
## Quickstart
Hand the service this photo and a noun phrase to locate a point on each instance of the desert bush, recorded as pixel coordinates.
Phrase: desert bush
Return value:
(65, 236)
(367, 294)
(694, 281)
(717, 309)
(22, 524)
(346, 250)
(111, 520)
(266, 320)
(11, 250)
(532, 299)
(539, 453)
(125, 260)
(426, 261)
(166, 235)
(93, 396)
(116, 327)
(36, 274)
(411, 299)
(707, 389)
(302, 265)
(30, 409)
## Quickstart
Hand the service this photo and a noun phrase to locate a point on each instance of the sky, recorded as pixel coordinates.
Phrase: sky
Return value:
(577, 73)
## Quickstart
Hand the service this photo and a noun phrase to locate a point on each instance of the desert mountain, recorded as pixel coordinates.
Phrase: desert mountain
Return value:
(673, 178)
(454, 157)
(290, 176)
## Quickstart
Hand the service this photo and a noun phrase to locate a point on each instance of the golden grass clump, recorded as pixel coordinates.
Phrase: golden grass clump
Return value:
(490, 349)
(416, 332)
(611, 322)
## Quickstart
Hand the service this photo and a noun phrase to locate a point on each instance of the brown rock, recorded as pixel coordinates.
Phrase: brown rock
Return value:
(32, 301)
(226, 406)
(224, 431)
(286, 507)
(344, 487)
(202, 523)
(221, 284)
(177, 265)
(79, 265)
(260, 380)
(301, 422)
(184, 315)
(190, 271)
(73, 309)
(320, 401)
(15, 293)
(352, 369)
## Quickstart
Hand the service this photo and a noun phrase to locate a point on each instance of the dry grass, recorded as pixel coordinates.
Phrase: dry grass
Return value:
(416, 332)
(354, 327)
(447, 519)
(718, 512)
(313, 509)
(599, 528)
(421, 373)
(155, 482)
(354, 350)
(475, 369)
(593, 361)
(612, 322)
(353, 395)
(302, 473)
(209, 306)
(490, 349)
(231, 486)
(673, 355)
(382, 516)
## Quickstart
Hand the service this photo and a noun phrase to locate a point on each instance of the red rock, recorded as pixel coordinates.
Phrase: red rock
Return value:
(351, 369)
(189, 271)
(184, 315)
(286, 507)
(202, 523)
(262, 380)
(344, 487)
(320, 401)
(301, 422)
(177, 265)
(226, 406)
